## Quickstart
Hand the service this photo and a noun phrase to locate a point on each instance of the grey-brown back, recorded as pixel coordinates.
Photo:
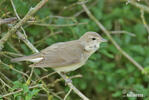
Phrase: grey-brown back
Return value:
(61, 54)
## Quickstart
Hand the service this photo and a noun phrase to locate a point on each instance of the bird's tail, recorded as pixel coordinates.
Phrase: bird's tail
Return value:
(24, 58)
(32, 58)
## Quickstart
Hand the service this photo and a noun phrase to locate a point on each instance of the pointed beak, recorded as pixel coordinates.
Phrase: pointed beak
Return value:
(103, 40)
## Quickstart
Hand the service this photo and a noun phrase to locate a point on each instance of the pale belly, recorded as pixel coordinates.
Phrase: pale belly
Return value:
(69, 68)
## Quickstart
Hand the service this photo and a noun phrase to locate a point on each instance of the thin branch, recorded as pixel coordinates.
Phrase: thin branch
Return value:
(71, 86)
(5, 77)
(49, 35)
(30, 76)
(60, 17)
(46, 76)
(21, 22)
(5, 83)
(141, 6)
(56, 95)
(51, 17)
(111, 39)
(11, 67)
(54, 25)
(14, 8)
(10, 44)
(81, 11)
(123, 32)
(144, 21)
(10, 53)
(20, 90)
(58, 80)
(7, 20)
(68, 94)
(27, 42)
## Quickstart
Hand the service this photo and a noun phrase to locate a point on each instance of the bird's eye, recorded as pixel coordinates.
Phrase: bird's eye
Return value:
(93, 38)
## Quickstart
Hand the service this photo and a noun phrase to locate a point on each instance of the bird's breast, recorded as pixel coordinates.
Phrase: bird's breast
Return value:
(69, 68)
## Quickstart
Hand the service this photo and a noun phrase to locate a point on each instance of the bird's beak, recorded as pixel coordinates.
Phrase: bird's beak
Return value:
(103, 40)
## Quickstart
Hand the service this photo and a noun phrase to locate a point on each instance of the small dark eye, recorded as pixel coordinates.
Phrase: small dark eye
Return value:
(93, 38)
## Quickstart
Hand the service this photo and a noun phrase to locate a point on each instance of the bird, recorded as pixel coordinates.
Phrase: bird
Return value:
(65, 56)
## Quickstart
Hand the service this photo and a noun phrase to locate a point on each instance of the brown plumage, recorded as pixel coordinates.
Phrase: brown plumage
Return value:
(66, 56)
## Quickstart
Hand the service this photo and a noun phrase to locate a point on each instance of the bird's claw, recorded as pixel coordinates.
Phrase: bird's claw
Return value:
(68, 80)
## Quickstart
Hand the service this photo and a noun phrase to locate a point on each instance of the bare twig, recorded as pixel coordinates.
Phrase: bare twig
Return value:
(18, 71)
(10, 53)
(46, 76)
(123, 32)
(7, 20)
(11, 93)
(14, 8)
(54, 25)
(61, 17)
(81, 11)
(111, 39)
(71, 86)
(5, 83)
(141, 6)
(49, 35)
(144, 21)
(56, 95)
(13, 47)
(5, 77)
(58, 80)
(21, 22)
(11, 67)
(27, 42)
(51, 17)
(68, 94)
(30, 76)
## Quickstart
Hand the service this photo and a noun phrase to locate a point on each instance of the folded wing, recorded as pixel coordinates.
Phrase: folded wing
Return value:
(61, 54)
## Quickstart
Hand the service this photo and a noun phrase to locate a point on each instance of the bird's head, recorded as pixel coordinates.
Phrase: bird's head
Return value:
(91, 41)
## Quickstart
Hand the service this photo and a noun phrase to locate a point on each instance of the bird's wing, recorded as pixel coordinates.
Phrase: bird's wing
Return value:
(61, 54)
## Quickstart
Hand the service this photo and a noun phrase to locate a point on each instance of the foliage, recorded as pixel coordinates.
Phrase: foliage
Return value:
(107, 74)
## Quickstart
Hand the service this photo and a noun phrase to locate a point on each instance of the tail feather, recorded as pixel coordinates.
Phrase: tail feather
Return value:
(19, 59)
(31, 58)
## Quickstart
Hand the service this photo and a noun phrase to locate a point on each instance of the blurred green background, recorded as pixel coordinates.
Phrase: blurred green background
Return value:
(107, 75)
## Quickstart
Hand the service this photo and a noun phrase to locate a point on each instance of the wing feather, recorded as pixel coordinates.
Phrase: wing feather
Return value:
(61, 54)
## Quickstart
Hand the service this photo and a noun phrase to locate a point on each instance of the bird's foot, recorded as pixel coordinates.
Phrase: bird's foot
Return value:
(68, 80)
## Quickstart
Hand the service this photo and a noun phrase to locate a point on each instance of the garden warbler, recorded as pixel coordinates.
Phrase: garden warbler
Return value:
(66, 56)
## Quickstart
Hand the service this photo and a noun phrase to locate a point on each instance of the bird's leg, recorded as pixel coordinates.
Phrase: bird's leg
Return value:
(66, 78)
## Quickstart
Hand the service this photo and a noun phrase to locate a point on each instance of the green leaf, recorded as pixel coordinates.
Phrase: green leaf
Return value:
(34, 92)
(117, 94)
(17, 85)
(28, 97)
(146, 70)
(106, 53)
(25, 88)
